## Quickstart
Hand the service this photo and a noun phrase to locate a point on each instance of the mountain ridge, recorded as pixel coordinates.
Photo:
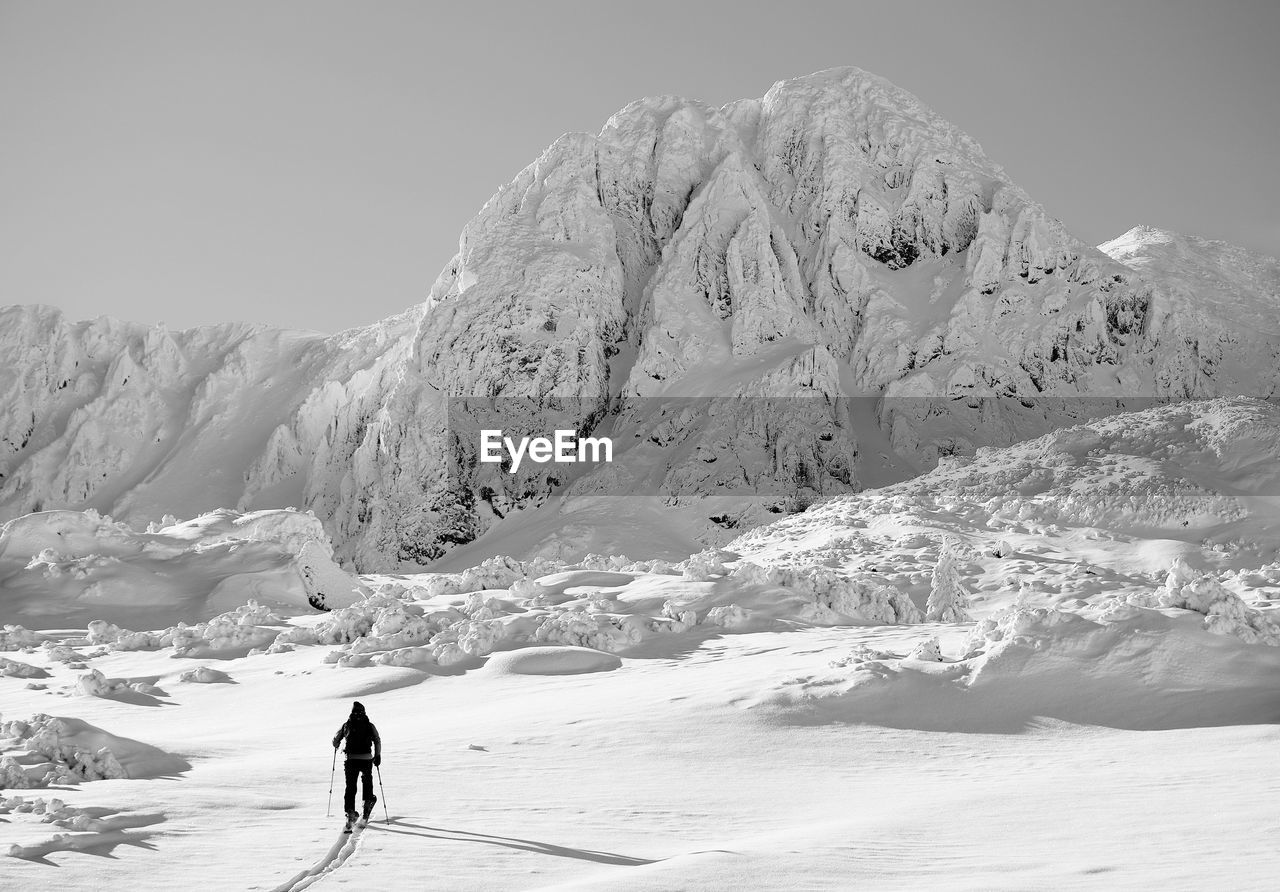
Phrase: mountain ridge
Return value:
(834, 239)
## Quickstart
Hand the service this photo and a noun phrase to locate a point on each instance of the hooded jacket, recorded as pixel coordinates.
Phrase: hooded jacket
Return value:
(363, 741)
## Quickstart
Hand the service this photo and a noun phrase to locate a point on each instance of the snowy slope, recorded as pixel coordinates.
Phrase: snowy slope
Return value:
(862, 286)
(778, 716)
(1081, 514)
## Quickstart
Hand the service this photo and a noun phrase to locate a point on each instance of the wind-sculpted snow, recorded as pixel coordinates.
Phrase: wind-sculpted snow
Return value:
(428, 624)
(248, 628)
(18, 669)
(69, 568)
(1205, 472)
(551, 661)
(452, 622)
(205, 675)
(94, 684)
(1225, 612)
(96, 830)
(48, 750)
(14, 636)
(835, 240)
(1129, 668)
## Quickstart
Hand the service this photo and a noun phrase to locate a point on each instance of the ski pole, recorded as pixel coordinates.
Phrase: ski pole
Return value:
(332, 770)
(384, 794)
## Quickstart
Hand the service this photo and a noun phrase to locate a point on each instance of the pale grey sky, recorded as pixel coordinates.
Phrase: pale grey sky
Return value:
(310, 163)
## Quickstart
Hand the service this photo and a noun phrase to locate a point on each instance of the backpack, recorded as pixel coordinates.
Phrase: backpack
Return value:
(359, 735)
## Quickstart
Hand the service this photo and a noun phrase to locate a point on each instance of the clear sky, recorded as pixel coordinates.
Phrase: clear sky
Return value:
(310, 163)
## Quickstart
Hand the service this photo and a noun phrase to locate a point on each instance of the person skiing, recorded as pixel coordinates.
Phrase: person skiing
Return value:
(364, 751)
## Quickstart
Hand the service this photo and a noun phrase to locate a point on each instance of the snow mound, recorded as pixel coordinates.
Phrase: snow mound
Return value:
(49, 750)
(94, 684)
(427, 623)
(246, 627)
(551, 661)
(494, 573)
(206, 675)
(65, 568)
(819, 594)
(228, 634)
(1132, 668)
(555, 583)
(1224, 611)
(16, 669)
(15, 637)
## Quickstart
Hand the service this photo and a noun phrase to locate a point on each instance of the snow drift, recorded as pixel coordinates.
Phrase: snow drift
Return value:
(551, 661)
(68, 568)
(47, 750)
(1129, 668)
(1197, 479)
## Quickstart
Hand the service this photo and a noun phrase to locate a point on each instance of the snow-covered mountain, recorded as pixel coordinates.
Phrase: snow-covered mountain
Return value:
(139, 421)
(1215, 321)
(849, 270)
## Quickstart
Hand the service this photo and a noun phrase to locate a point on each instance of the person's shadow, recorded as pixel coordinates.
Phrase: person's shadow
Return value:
(526, 845)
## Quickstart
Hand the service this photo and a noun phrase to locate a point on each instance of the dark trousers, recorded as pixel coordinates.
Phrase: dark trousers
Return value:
(362, 768)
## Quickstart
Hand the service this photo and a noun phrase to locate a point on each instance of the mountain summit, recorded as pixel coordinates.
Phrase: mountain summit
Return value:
(846, 267)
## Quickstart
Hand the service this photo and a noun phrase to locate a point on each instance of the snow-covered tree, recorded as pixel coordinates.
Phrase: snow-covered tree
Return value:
(928, 650)
(947, 597)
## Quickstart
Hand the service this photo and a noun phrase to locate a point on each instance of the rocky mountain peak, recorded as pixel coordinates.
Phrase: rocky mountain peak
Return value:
(834, 244)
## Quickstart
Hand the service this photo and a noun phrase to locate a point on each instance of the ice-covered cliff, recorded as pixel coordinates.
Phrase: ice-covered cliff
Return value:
(849, 271)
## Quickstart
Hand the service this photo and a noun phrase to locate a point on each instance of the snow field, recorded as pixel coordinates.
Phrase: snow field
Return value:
(653, 778)
(774, 715)
(693, 716)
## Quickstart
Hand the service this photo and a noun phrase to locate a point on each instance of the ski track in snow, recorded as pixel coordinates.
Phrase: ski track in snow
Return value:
(342, 849)
(346, 844)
